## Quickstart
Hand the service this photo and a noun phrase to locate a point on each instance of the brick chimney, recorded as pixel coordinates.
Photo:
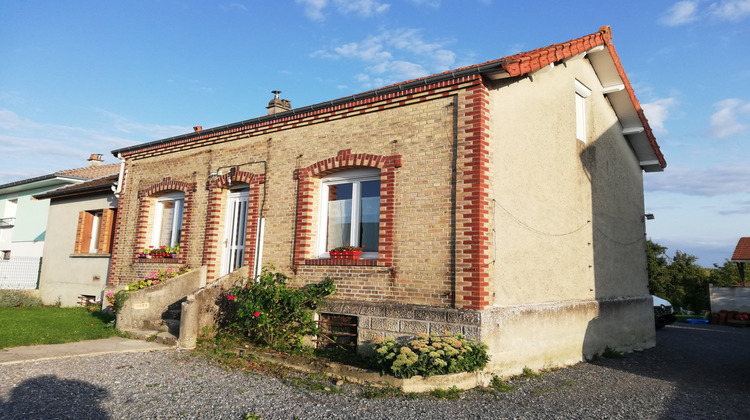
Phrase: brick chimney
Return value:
(276, 105)
(95, 160)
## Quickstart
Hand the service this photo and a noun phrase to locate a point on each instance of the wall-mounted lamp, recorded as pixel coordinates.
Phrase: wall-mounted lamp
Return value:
(648, 216)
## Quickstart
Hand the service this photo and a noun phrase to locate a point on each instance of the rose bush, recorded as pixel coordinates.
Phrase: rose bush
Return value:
(271, 314)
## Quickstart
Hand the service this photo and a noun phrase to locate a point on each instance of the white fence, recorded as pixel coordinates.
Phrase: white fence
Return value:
(20, 273)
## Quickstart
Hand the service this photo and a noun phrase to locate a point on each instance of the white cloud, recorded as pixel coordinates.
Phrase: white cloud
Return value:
(707, 182)
(689, 11)
(235, 7)
(314, 8)
(361, 7)
(741, 207)
(733, 10)
(30, 148)
(657, 112)
(371, 49)
(681, 13)
(393, 56)
(724, 122)
(429, 3)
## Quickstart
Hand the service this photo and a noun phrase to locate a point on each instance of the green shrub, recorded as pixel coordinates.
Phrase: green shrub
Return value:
(271, 314)
(156, 277)
(15, 298)
(429, 355)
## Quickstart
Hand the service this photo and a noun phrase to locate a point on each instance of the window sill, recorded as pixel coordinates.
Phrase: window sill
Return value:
(90, 255)
(177, 260)
(342, 261)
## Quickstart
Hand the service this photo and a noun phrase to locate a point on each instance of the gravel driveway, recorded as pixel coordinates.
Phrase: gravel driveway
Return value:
(695, 372)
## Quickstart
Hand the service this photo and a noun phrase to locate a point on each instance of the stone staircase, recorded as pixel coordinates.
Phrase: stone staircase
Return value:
(166, 330)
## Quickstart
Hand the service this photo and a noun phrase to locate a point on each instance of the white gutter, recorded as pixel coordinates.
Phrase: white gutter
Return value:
(121, 178)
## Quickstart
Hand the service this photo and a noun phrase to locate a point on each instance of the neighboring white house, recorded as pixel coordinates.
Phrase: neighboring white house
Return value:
(23, 221)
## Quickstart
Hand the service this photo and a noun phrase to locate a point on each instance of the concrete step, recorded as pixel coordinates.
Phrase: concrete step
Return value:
(173, 326)
(177, 305)
(172, 314)
(162, 337)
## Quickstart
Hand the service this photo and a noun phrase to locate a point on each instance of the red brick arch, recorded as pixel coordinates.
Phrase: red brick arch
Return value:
(216, 201)
(345, 159)
(146, 198)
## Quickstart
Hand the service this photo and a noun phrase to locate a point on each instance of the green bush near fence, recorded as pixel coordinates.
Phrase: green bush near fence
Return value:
(16, 298)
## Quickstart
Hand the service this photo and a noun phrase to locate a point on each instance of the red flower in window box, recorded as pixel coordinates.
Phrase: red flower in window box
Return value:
(346, 252)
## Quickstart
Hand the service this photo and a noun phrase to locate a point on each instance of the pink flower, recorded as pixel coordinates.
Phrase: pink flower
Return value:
(247, 287)
(230, 297)
(256, 314)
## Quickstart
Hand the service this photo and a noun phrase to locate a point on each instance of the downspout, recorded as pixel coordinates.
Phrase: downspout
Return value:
(454, 187)
(121, 177)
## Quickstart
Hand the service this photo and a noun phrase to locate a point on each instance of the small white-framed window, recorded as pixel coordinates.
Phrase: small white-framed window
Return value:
(350, 211)
(582, 92)
(167, 226)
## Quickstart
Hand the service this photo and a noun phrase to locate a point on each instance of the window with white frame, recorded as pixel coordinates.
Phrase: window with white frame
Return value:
(350, 211)
(167, 226)
(582, 92)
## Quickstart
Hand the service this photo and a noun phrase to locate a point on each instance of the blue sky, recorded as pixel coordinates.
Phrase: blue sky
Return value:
(82, 77)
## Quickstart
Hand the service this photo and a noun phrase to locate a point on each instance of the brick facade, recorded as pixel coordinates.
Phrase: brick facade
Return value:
(427, 143)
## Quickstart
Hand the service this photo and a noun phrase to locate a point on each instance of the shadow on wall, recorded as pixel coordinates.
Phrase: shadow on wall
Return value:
(624, 314)
(49, 397)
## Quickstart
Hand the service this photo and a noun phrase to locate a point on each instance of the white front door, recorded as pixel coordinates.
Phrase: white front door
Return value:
(236, 231)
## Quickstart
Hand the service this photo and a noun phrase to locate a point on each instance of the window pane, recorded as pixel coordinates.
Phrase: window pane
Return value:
(339, 215)
(165, 232)
(177, 222)
(370, 215)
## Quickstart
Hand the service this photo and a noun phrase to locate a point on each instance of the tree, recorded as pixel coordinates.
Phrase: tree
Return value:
(725, 275)
(694, 281)
(679, 280)
(660, 281)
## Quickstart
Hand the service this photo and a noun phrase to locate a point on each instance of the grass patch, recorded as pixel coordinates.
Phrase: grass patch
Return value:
(529, 373)
(610, 353)
(498, 385)
(452, 393)
(33, 325)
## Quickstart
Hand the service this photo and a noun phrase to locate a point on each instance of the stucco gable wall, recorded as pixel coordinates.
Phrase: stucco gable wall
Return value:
(568, 214)
(569, 276)
(64, 276)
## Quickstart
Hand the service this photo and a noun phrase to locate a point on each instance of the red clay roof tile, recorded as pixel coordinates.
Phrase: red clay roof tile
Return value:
(742, 252)
(91, 171)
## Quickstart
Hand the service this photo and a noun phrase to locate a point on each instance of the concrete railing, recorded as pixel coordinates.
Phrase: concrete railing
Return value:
(144, 308)
(200, 311)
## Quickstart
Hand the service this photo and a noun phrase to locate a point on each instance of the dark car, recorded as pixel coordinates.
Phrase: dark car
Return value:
(663, 312)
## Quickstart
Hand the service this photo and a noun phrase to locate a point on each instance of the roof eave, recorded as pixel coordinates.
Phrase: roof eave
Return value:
(494, 70)
(618, 90)
(101, 188)
(39, 182)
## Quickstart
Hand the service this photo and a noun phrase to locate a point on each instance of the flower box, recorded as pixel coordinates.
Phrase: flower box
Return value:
(347, 255)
